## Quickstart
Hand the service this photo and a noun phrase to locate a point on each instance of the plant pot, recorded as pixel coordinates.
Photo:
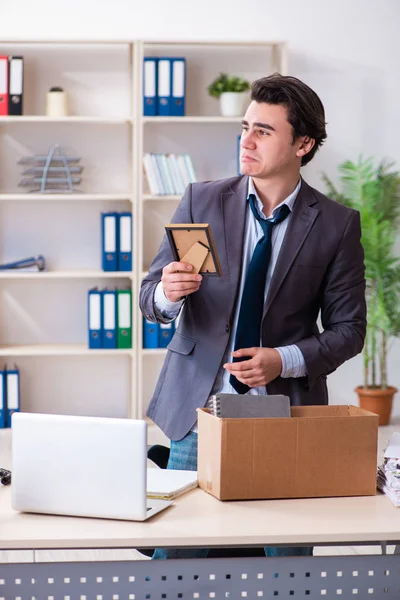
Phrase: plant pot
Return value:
(378, 401)
(232, 104)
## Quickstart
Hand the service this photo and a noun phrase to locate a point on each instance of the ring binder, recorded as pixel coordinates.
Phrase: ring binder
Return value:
(248, 406)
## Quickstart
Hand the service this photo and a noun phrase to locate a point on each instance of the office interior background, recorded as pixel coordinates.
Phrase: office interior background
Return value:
(348, 52)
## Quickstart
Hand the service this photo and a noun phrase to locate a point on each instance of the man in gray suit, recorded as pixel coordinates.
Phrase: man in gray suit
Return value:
(315, 264)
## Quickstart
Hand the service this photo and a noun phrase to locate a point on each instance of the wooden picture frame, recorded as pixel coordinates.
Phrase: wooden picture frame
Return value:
(193, 243)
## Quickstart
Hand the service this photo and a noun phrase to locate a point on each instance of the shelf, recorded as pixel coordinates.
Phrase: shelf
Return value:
(161, 198)
(59, 350)
(35, 197)
(70, 119)
(72, 274)
(201, 120)
(154, 351)
(242, 43)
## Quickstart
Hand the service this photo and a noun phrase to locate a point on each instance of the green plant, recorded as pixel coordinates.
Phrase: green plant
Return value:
(375, 192)
(225, 83)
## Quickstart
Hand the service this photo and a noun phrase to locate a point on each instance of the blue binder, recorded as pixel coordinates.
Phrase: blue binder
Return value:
(178, 85)
(150, 334)
(165, 334)
(109, 238)
(164, 87)
(12, 392)
(95, 318)
(150, 68)
(3, 407)
(125, 241)
(109, 330)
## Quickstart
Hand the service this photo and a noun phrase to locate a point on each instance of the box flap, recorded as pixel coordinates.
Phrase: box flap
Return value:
(209, 451)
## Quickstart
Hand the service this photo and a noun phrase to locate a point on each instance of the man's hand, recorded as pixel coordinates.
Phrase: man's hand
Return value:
(263, 365)
(175, 284)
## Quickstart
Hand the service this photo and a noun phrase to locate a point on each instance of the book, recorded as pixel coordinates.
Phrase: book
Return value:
(167, 484)
(245, 406)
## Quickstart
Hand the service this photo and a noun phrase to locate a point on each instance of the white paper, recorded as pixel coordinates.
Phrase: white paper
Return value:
(393, 448)
(169, 482)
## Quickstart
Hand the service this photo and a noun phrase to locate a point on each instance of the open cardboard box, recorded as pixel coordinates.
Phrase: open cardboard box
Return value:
(321, 451)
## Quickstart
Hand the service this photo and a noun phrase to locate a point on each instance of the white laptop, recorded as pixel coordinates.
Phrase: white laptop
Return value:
(81, 466)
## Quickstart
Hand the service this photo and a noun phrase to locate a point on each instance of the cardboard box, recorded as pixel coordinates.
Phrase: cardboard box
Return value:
(321, 451)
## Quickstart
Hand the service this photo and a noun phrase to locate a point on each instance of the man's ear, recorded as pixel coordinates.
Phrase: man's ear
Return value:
(306, 144)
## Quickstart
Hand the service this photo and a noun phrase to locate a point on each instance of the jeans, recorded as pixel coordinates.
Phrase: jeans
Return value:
(183, 456)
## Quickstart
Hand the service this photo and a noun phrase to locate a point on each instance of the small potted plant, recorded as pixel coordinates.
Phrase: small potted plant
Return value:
(231, 92)
(375, 192)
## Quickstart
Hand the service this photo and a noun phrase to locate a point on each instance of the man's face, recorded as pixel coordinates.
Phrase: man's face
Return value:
(266, 146)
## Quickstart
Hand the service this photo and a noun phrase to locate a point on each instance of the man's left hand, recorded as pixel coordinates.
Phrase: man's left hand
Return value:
(262, 366)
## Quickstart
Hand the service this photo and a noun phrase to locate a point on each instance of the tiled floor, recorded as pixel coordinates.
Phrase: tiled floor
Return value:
(157, 437)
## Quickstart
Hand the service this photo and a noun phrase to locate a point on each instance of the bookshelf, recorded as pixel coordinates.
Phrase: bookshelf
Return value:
(43, 321)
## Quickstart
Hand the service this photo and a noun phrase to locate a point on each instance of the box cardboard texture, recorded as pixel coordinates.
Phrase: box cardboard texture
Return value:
(321, 451)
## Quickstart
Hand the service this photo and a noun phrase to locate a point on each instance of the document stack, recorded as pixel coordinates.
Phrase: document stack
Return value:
(110, 319)
(164, 82)
(168, 174)
(388, 476)
(168, 484)
(54, 173)
(116, 236)
(11, 85)
(9, 395)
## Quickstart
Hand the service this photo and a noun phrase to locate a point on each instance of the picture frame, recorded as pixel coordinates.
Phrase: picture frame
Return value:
(194, 243)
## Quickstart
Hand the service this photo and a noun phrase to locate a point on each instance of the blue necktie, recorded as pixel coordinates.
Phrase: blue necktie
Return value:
(248, 330)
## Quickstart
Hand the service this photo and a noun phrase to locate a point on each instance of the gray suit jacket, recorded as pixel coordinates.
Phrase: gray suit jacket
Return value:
(320, 268)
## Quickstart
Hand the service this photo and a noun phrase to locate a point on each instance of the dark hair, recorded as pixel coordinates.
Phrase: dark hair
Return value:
(305, 110)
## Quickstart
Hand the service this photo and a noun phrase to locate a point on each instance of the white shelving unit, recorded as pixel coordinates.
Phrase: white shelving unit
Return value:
(43, 321)
(43, 316)
(208, 137)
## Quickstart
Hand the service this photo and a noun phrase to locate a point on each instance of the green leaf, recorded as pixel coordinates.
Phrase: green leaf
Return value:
(375, 192)
(225, 83)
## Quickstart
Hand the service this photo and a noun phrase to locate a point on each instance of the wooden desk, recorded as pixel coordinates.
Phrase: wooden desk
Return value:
(197, 519)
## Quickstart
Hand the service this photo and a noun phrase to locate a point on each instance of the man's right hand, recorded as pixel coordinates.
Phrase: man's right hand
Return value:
(177, 284)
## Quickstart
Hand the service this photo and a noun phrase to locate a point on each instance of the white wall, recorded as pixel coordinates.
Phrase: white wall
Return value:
(347, 51)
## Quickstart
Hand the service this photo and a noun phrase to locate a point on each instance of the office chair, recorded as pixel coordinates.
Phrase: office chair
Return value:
(159, 455)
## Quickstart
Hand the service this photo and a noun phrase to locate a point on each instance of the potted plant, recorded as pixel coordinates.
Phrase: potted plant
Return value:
(231, 93)
(375, 192)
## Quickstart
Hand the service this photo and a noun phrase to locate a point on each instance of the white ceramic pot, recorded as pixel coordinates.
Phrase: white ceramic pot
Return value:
(232, 104)
(56, 103)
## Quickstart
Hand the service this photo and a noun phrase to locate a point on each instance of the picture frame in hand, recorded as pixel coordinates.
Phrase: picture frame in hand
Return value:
(193, 243)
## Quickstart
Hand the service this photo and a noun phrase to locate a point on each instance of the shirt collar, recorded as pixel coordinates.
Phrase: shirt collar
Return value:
(289, 201)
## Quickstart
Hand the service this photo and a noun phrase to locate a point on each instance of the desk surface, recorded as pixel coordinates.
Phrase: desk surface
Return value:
(198, 519)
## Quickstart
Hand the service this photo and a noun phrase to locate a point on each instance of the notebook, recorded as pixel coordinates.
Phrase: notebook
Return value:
(81, 466)
(242, 406)
(167, 484)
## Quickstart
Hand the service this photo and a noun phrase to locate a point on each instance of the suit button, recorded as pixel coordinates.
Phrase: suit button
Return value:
(226, 328)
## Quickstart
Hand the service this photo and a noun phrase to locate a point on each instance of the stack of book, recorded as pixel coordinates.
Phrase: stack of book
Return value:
(388, 476)
(167, 174)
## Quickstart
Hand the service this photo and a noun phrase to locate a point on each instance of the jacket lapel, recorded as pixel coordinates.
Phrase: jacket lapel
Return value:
(233, 209)
(305, 212)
